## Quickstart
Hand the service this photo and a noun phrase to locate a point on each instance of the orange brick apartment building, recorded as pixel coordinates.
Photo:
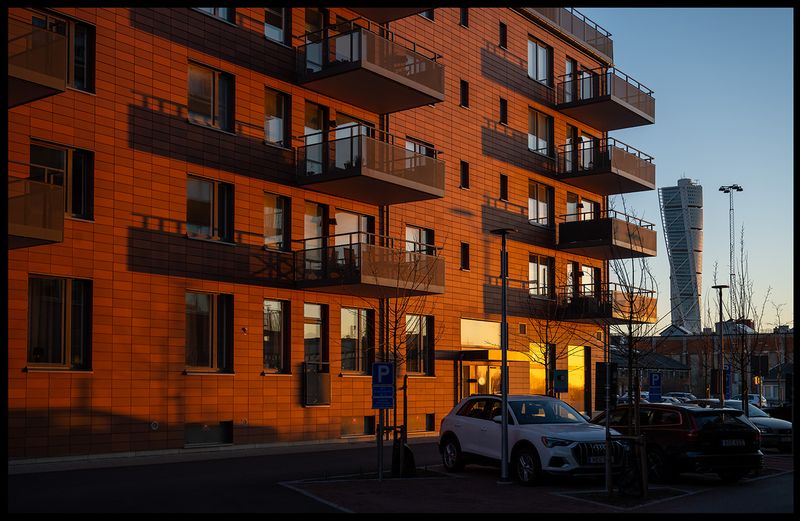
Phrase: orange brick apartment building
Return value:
(194, 191)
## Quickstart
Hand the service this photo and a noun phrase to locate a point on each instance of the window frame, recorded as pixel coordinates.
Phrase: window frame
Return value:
(463, 94)
(464, 257)
(503, 119)
(283, 354)
(220, 334)
(71, 26)
(365, 340)
(543, 268)
(213, 120)
(535, 50)
(219, 231)
(69, 176)
(463, 16)
(503, 187)
(425, 244)
(283, 101)
(286, 222)
(535, 190)
(503, 36)
(72, 357)
(535, 119)
(425, 355)
(230, 18)
(463, 181)
(285, 25)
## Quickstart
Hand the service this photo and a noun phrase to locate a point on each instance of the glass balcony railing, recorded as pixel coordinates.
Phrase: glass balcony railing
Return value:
(316, 383)
(574, 23)
(606, 166)
(607, 235)
(609, 301)
(37, 62)
(35, 213)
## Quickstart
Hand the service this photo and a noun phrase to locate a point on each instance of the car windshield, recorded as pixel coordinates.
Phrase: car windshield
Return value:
(535, 411)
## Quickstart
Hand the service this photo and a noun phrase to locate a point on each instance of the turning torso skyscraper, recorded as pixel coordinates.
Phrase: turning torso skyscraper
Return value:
(682, 218)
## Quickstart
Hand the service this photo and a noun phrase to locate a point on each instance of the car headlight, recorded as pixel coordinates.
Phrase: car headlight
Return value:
(764, 430)
(555, 442)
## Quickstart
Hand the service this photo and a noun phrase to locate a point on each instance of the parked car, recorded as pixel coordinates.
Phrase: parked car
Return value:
(644, 396)
(668, 399)
(682, 396)
(545, 435)
(689, 438)
(775, 433)
(759, 400)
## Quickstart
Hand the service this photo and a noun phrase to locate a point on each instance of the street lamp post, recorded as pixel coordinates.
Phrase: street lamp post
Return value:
(721, 375)
(503, 232)
(729, 189)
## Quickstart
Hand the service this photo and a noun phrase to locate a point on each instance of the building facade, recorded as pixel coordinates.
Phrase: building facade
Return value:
(682, 218)
(220, 217)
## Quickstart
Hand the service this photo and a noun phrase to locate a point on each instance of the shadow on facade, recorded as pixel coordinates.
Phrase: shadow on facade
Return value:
(511, 146)
(242, 45)
(511, 71)
(160, 126)
(496, 213)
(161, 246)
(520, 303)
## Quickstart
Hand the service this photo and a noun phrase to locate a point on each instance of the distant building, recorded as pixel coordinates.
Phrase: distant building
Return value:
(682, 218)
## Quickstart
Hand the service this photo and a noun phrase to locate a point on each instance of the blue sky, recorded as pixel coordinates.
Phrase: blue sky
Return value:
(723, 84)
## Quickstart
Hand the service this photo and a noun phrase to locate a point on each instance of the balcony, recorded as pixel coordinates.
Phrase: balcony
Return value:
(578, 26)
(606, 99)
(37, 63)
(316, 383)
(611, 235)
(355, 265)
(355, 165)
(382, 15)
(35, 213)
(607, 303)
(381, 74)
(606, 167)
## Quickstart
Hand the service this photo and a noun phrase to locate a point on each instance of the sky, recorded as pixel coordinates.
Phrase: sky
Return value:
(723, 85)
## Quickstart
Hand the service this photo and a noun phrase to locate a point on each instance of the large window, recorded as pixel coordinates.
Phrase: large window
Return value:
(570, 67)
(209, 332)
(314, 131)
(210, 97)
(223, 13)
(357, 339)
(540, 203)
(540, 62)
(276, 221)
(59, 322)
(419, 344)
(68, 167)
(539, 273)
(81, 50)
(419, 239)
(540, 133)
(314, 225)
(277, 108)
(314, 333)
(209, 209)
(276, 340)
(276, 24)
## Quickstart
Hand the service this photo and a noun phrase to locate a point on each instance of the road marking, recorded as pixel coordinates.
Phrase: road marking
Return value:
(289, 485)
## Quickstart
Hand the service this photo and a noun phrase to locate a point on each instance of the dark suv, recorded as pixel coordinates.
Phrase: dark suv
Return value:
(688, 438)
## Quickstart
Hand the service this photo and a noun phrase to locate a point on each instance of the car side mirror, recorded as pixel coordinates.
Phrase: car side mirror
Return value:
(586, 416)
(498, 419)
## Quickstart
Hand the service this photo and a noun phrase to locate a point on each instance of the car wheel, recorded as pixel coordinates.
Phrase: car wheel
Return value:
(527, 467)
(658, 468)
(452, 458)
(732, 476)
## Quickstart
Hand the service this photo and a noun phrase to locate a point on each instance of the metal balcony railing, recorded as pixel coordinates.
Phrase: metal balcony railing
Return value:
(607, 300)
(617, 167)
(574, 23)
(590, 85)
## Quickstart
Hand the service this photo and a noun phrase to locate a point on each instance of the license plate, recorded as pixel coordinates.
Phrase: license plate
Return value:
(733, 443)
(597, 459)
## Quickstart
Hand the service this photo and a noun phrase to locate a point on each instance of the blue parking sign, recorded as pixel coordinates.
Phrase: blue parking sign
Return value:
(382, 373)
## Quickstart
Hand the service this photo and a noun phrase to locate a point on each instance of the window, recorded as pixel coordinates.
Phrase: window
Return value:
(503, 35)
(357, 339)
(209, 209)
(570, 67)
(68, 167)
(276, 23)
(210, 97)
(419, 240)
(540, 202)
(209, 332)
(276, 221)
(465, 256)
(588, 147)
(504, 111)
(571, 149)
(580, 209)
(419, 344)
(81, 51)
(315, 327)
(464, 93)
(59, 322)
(504, 187)
(539, 273)
(223, 13)
(314, 225)
(540, 62)
(350, 230)
(427, 14)
(463, 16)
(585, 281)
(277, 108)
(314, 129)
(540, 133)
(464, 181)
(586, 81)
(276, 340)
(420, 147)
(348, 140)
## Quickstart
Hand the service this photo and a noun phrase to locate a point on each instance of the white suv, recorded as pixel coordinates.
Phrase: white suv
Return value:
(544, 435)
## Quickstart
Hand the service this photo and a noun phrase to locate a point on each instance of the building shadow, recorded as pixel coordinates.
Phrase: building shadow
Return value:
(511, 71)
(242, 45)
(510, 146)
(161, 246)
(497, 213)
(161, 127)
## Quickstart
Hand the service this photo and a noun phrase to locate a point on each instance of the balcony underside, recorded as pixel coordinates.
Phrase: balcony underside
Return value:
(607, 239)
(371, 186)
(370, 87)
(25, 85)
(387, 14)
(589, 310)
(606, 113)
(609, 182)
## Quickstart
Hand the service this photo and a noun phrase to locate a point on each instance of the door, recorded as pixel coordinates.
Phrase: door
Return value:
(470, 425)
(314, 135)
